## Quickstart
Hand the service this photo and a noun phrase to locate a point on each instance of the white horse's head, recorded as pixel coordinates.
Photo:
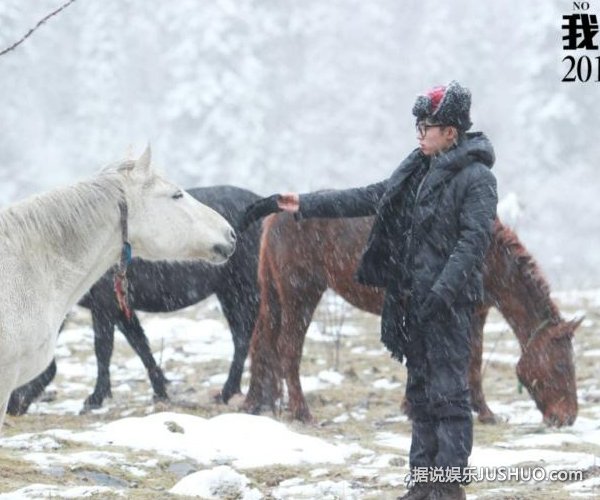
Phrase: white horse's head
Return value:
(165, 222)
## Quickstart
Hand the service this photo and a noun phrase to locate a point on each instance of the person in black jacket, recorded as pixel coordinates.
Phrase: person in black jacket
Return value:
(433, 224)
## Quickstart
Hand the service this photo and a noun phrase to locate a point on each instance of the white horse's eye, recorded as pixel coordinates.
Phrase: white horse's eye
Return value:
(177, 195)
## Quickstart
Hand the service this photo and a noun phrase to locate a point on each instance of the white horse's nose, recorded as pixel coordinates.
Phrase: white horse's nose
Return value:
(226, 250)
(232, 237)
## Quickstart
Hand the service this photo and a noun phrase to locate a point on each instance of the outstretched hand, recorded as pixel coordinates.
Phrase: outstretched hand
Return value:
(290, 202)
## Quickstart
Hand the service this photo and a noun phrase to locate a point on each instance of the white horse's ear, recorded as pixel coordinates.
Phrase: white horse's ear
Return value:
(142, 164)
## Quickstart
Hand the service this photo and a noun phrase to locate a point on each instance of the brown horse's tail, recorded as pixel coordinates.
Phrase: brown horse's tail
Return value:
(265, 369)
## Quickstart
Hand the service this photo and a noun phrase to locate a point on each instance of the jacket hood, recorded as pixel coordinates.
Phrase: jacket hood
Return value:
(474, 147)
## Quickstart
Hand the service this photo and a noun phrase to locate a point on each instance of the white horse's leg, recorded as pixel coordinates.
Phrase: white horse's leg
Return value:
(4, 395)
(3, 412)
(6, 387)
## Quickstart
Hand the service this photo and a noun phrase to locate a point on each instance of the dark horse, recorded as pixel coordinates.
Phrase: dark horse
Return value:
(300, 260)
(165, 287)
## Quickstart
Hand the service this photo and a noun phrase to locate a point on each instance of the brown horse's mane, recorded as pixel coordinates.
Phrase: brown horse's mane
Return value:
(536, 284)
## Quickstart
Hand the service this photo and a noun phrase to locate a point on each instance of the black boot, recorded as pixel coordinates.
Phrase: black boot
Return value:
(418, 491)
(447, 491)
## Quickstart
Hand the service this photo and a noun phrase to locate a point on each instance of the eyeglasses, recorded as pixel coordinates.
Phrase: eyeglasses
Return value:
(423, 127)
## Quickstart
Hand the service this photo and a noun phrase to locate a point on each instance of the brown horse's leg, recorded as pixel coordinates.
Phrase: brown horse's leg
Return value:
(478, 402)
(265, 375)
(298, 307)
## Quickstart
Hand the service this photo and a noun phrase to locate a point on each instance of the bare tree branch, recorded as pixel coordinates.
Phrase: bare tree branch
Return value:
(30, 32)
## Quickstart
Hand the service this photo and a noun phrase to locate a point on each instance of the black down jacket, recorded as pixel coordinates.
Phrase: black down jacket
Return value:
(451, 223)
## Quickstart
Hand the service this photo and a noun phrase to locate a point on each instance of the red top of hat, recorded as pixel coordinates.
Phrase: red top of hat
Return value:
(436, 94)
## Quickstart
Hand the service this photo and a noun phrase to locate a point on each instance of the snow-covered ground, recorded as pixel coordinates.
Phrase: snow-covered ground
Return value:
(356, 449)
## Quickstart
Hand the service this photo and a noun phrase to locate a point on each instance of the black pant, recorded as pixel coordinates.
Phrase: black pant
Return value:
(437, 390)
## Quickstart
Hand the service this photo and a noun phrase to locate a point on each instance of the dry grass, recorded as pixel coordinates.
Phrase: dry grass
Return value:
(369, 411)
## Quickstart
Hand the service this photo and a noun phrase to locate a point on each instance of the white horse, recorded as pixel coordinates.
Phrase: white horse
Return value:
(54, 246)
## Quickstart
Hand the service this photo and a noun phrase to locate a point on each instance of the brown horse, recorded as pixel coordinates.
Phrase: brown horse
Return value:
(300, 260)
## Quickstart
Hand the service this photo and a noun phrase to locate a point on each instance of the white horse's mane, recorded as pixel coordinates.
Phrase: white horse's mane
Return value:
(50, 217)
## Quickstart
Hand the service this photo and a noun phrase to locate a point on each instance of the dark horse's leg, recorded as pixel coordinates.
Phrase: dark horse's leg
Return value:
(104, 333)
(478, 402)
(134, 333)
(241, 310)
(23, 396)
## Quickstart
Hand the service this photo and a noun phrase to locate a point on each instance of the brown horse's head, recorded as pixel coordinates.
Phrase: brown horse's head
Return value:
(547, 370)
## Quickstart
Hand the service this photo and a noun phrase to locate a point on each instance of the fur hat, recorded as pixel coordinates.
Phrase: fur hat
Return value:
(445, 105)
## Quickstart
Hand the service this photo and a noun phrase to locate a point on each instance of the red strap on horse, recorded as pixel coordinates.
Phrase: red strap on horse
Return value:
(120, 286)
(120, 279)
